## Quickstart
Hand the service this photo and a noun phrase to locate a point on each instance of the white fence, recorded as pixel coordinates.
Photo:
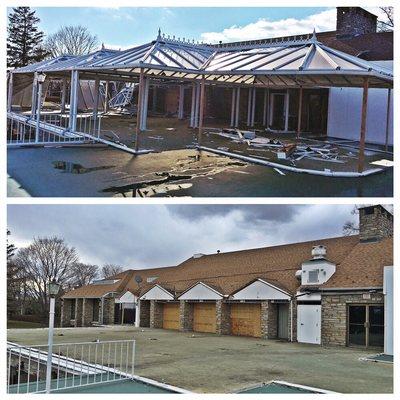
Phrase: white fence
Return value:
(73, 365)
(52, 129)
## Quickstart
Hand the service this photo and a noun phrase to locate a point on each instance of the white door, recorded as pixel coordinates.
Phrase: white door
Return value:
(309, 323)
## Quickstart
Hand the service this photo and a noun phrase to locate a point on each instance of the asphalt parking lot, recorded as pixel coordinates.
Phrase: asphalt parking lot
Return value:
(207, 363)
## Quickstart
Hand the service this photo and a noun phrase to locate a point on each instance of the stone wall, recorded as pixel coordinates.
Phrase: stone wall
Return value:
(334, 315)
(144, 317)
(78, 312)
(375, 223)
(66, 306)
(87, 312)
(156, 314)
(223, 318)
(108, 311)
(294, 316)
(185, 316)
(352, 21)
(272, 331)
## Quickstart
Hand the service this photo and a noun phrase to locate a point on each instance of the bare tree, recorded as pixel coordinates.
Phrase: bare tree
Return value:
(350, 227)
(110, 270)
(388, 23)
(83, 274)
(72, 40)
(45, 260)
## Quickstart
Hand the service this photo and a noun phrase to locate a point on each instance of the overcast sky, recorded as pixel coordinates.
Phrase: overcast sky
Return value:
(144, 236)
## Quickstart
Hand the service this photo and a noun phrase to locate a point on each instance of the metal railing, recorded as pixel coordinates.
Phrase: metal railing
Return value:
(73, 365)
(51, 129)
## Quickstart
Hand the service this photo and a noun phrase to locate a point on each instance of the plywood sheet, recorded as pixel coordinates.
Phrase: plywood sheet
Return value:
(204, 317)
(171, 316)
(246, 319)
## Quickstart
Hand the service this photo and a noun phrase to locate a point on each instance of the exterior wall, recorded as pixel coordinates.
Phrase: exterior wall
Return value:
(344, 114)
(334, 315)
(87, 312)
(294, 317)
(223, 318)
(144, 309)
(156, 314)
(186, 316)
(108, 311)
(172, 100)
(354, 21)
(66, 312)
(78, 312)
(269, 320)
(377, 225)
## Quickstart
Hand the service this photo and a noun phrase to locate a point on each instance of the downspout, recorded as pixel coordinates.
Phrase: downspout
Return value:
(291, 319)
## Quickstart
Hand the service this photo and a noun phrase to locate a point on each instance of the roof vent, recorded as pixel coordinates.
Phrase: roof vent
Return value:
(318, 252)
(298, 274)
(198, 255)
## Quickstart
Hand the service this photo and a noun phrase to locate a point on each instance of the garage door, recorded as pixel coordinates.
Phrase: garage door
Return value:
(204, 317)
(246, 319)
(171, 316)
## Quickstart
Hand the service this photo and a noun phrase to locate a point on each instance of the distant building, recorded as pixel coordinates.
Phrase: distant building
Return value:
(327, 291)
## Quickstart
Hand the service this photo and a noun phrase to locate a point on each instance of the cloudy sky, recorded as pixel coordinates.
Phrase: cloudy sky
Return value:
(144, 236)
(120, 27)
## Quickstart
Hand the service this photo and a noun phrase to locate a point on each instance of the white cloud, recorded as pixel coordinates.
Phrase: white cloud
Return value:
(265, 28)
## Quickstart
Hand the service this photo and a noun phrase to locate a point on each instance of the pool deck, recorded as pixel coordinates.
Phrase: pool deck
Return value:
(207, 363)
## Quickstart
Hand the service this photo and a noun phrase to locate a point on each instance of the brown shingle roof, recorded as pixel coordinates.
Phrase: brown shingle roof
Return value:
(358, 265)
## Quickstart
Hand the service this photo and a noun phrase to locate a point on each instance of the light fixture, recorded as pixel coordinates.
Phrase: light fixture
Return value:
(53, 288)
(41, 77)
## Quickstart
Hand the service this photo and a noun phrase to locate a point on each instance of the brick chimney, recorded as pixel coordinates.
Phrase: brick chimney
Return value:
(353, 21)
(376, 223)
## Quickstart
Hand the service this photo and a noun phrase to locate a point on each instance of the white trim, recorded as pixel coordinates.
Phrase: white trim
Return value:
(169, 296)
(237, 296)
(185, 295)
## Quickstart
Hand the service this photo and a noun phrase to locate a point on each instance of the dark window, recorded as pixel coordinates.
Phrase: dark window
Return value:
(369, 210)
(72, 315)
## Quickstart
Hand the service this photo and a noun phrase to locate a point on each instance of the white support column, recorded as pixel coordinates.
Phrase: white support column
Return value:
(253, 108)
(73, 107)
(287, 110)
(181, 101)
(233, 106)
(10, 91)
(145, 101)
(38, 107)
(63, 94)
(265, 109)
(249, 99)
(137, 314)
(237, 107)
(388, 108)
(193, 106)
(197, 106)
(95, 103)
(107, 89)
(34, 95)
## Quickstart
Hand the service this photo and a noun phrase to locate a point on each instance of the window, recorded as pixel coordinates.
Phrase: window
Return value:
(313, 276)
(72, 314)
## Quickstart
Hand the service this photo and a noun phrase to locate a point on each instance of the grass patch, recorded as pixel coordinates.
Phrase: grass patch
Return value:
(23, 325)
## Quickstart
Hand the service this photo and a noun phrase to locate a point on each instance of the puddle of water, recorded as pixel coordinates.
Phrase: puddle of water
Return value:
(74, 168)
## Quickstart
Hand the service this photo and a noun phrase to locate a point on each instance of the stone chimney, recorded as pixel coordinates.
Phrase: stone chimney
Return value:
(353, 21)
(376, 223)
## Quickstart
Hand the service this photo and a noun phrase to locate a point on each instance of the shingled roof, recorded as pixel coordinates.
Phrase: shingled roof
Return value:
(358, 265)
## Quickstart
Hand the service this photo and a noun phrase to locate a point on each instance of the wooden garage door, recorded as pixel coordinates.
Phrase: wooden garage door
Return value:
(246, 319)
(171, 316)
(204, 317)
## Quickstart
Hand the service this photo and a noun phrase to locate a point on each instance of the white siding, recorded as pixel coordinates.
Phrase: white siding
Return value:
(260, 290)
(200, 292)
(344, 114)
(157, 293)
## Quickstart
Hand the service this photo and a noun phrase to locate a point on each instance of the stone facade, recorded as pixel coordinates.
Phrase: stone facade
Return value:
(66, 307)
(87, 312)
(78, 312)
(269, 319)
(144, 317)
(156, 314)
(375, 223)
(223, 317)
(108, 311)
(352, 21)
(334, 314)
(185, 316)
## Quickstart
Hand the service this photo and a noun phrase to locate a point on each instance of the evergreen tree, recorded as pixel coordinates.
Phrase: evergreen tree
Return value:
(24, 41)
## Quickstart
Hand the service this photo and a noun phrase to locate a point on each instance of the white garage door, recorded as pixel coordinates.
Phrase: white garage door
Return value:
(309, 323)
